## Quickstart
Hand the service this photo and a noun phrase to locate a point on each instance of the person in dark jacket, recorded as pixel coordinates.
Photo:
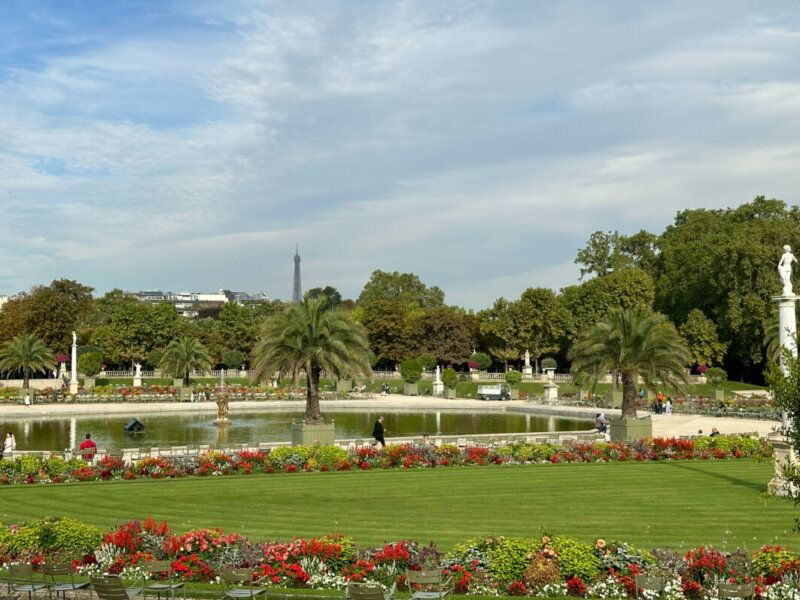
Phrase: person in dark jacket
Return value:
(377, 432)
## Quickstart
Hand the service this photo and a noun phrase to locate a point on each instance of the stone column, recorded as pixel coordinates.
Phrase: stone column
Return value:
(73, 381)
(784, 454)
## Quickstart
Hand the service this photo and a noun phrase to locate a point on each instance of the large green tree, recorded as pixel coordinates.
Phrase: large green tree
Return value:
(609, 252)
(699, 333)
(183, 356)
(635, 342)
(234, 329)
(542, 320)
(724, 263)
(393, 333)
(332, 296)
(405, 288)
(307, 337)
(27, 353)
(445, 333)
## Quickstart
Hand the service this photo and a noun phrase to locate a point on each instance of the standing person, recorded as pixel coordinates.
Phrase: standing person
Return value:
(10, 443)
(88, 447)
(668, 406)
(27, 399)
(378, 432)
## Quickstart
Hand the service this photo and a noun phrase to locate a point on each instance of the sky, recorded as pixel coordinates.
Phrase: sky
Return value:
(189, 145)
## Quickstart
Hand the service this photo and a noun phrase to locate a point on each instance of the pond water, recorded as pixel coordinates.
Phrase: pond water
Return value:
(180, 429)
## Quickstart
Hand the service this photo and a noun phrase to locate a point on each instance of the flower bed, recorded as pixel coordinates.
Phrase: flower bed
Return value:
(549, 566)
(30, 469)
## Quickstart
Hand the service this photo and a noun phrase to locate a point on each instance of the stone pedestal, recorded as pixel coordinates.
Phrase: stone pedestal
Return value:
(474, 375)
(527, 370)
(137, 381)
(628, 430)
(73, 387)
(312, 435)
(550, 393)
(784, 457)
(438, 388)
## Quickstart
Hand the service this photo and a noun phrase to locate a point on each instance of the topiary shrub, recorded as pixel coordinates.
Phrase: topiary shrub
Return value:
(576, 558)
(449, 378)
(67, 537)
(411, 370)
(549, 363)
(233, 359)
(427, 360)
(513, 378)
(484, 360)
(715, 376)
(90, 363)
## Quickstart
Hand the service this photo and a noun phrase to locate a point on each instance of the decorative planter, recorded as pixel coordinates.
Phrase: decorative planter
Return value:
(312, 435)
(514, 394)
(449, 393)
(344, 385)
(177, 382)
(628, 430)
(616, 399)
(718, 395)
(88, 383)
(410, 389)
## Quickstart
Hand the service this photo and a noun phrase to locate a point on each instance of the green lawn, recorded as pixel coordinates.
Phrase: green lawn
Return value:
(679, 504)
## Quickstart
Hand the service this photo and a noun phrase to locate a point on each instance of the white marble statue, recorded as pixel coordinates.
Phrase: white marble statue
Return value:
(75, 337)
(437, 373)
(785, 270)
(138, 367)
(527, 358)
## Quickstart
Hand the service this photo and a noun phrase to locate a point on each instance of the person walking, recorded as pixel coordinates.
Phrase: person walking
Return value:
(378, 432)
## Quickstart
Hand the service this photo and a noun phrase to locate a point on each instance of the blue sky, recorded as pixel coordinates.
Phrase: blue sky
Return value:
(188, 146)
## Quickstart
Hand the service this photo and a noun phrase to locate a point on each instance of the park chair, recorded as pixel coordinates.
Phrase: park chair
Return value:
(167, 586)
(737, 590)
(62, 580)
(649, 583)
(111, 587)
(428, 584)
(238, 583)
(21, 579)
(369, 591)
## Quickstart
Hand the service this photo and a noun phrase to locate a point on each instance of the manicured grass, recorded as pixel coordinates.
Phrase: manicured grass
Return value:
(679, 504)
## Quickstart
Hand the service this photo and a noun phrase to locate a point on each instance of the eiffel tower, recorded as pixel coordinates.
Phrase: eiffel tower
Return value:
(297, 292)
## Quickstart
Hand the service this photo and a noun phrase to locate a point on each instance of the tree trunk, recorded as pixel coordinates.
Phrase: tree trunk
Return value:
(186, 378)
(628, 395)
(26, 375)
(313, 414)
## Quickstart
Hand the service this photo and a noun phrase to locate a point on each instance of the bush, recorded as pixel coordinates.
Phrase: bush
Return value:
(90, 363)
(508, 557)
(513, 378)
(549, 363)
(427, 360)
(576, 558)
(233, 359)
(449, 378)
(715, 376)
(328, 456)
(65, 536)
(484, 360)
(411, 370)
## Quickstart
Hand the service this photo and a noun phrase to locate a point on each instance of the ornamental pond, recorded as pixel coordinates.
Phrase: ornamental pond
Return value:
(181, 429)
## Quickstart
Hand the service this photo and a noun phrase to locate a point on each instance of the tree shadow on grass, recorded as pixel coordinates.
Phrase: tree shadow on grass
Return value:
(753, 485)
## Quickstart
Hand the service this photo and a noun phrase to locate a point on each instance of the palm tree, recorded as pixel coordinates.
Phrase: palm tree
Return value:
(635, 342)
(184, 355)
(26, 352)
(312, 337)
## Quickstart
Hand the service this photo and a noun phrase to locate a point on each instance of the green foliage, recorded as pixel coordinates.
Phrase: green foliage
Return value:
(65, 536)
(28, 464)
(28, 353)
(427, 360)
(513, 378)
(699, 333)
(54, 466)
(607, 253)
(619, 555)
(449, 378)
(183, 355)
(637, 343)
(508, 557)
(154, 357)
(549, 363)
(90, 363)
(404, 288)
(444, 332)
(576, 558)
(233, 359)
(484, 360)
(715, 376)
(333, 299)
(411, 370)
(329, 455)
(769, 560)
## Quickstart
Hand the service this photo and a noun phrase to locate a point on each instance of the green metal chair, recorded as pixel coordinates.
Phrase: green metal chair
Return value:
(238, 583)
(168, 585)
(368, 591)
(737, 590)
(649, 583)
(110, 587)
(62, 580)
(428, 585)
(21, 579)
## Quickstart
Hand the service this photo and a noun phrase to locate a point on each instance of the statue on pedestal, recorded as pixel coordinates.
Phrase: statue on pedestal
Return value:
(785, 270)
(138, 368)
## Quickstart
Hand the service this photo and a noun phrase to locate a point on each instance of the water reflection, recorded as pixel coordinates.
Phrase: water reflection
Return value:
(182, 429)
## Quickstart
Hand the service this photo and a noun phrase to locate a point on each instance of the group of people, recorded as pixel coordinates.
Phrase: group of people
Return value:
(9, 444)
(661, 406)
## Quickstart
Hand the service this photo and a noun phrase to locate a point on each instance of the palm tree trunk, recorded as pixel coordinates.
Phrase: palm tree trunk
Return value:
(628, 395)
(186, 378)
(26, 375)
(313, 414)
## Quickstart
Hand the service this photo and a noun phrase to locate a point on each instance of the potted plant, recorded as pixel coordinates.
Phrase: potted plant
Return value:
(549, 367)
(449, 379)
(411, 372)
(512, 379)
(715, 376)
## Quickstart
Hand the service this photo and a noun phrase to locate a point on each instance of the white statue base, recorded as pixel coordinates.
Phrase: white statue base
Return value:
(73, 387)
(527, 370)
(438, 388)
(550, 393)
(137, 381)
(784, 456)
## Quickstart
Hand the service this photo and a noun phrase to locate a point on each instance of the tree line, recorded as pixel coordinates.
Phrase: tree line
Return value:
(711, 273)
